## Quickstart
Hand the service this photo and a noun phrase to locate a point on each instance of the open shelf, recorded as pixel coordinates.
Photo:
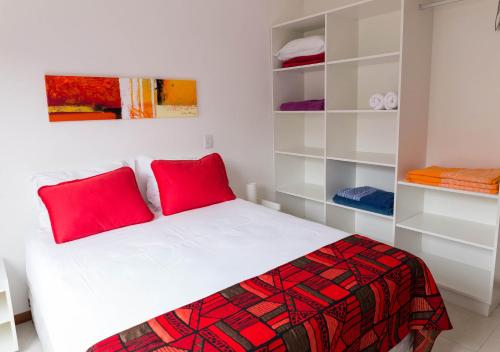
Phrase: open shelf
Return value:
(313, 67)
(379, 159)
(356, 30)
(302, 112)
(291, 85)
(300, 135)
(333, 204)
(449, 190)
(458, 277)
(453, 229)
(288, 31)
(369, 60)
(350, 85)
(304, 24)
(307, 152)
(365, 111)
(341, 174)
(352, 220)
(304, 190)
(303, 208)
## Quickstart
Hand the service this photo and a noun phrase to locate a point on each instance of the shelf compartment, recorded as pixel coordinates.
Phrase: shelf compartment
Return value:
(353, 221)
(308, 191)
(458, 277)
(302, 208)
(356, 30)
(453, 229)
(333, 204)
(449, 190)
(300, 135)
(466, 207)
(378, 159)
(285, 32)
(350, 85)
(341, 174)
(362, 138)
(298, 85)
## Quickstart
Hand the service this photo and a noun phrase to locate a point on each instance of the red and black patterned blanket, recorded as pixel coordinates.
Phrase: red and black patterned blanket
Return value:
(353, 295)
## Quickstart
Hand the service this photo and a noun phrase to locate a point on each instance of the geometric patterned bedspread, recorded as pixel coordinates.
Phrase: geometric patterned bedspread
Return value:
(353, 295)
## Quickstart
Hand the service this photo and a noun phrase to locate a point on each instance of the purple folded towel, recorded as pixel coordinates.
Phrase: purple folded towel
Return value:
(307, 105)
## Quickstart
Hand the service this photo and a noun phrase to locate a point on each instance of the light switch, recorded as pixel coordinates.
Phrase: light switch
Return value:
(209, 141)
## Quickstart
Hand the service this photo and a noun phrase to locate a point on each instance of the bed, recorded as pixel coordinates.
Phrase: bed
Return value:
(85, 291)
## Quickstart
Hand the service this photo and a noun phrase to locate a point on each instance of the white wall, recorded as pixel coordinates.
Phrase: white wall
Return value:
(464, 112)
(224, 44)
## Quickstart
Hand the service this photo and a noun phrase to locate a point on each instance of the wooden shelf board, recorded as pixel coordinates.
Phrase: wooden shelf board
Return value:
(369, 60)
(453, 229)
(307, 152)
(360, 210)
(362, 111)
(378, 159)
(313, 67)
(449, 190)
(305, 190)
(303, 112)
(461, 278)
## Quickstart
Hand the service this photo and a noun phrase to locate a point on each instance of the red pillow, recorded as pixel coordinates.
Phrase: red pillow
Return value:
(89, 206)
(191, 184)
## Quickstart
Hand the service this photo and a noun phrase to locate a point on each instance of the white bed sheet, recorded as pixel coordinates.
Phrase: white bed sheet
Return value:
(90, 289)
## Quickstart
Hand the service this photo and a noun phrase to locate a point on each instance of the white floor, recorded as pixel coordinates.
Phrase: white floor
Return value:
(471, 333)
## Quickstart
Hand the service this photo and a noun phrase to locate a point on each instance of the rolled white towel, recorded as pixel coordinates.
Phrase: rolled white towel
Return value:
(377, 102)
(391, 101)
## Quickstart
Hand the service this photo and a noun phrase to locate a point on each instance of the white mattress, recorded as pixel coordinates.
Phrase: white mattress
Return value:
(90, 289)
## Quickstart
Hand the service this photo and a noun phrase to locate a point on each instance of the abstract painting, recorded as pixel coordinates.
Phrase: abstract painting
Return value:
(75, 98)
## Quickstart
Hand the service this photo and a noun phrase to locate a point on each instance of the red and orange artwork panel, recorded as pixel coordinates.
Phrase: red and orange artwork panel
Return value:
(76, 98)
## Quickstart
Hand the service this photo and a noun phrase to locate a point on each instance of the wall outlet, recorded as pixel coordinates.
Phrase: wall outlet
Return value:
(209, 141)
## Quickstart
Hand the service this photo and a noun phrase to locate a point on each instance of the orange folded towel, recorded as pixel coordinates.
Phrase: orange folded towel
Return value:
(463, 188)
(483, 176)
(437, 182)
(474, 180)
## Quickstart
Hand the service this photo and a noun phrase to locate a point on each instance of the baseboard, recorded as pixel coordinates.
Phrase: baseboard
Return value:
(22, 317)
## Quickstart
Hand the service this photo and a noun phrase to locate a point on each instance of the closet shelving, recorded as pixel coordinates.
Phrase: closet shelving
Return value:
(377, 46)
(8, 336)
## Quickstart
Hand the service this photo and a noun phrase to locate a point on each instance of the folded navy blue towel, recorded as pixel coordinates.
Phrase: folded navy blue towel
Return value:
(380, 202)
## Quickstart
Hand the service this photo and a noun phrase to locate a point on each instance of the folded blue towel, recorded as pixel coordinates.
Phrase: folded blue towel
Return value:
(356, 193)
(380, 202)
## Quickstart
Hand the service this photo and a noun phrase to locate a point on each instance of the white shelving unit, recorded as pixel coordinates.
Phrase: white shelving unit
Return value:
(8, 336)
(456, 233)
(376, 46)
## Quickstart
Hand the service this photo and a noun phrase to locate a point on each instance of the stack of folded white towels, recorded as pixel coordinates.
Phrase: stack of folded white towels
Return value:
(388, 101)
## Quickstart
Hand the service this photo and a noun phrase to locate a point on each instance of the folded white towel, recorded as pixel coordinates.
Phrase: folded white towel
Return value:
(377, 102)
(391, 101)
(312, 45)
